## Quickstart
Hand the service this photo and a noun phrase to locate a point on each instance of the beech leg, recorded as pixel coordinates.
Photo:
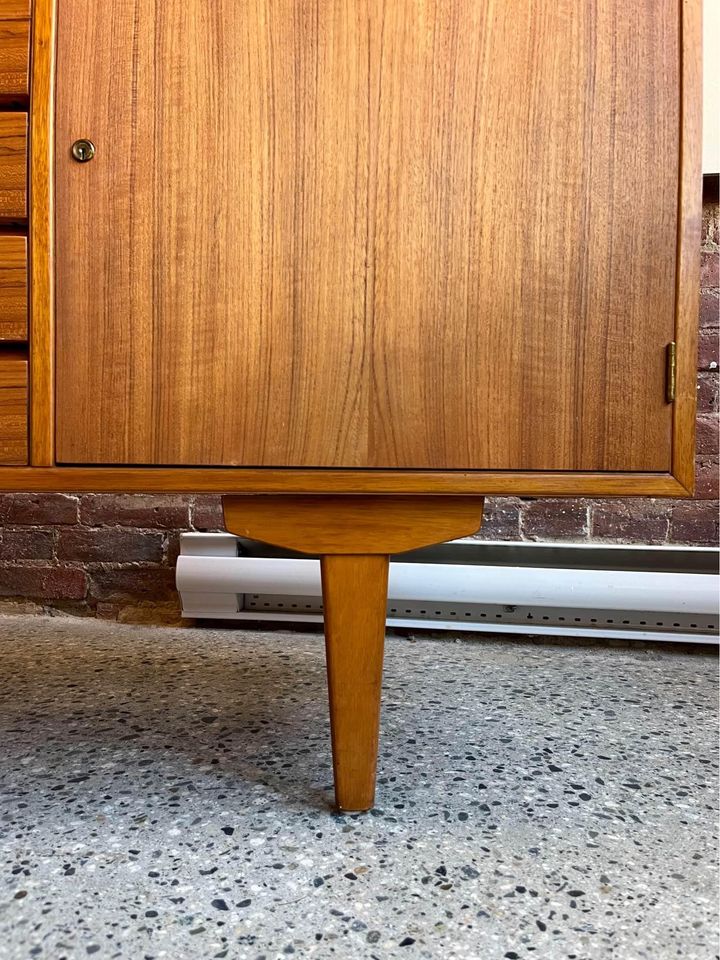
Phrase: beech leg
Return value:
(354, 536)
(355, 601)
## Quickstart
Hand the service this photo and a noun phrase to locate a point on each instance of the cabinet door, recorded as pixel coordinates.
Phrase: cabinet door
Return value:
(378, 233)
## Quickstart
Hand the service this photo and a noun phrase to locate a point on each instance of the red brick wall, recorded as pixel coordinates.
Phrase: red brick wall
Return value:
(113, 556)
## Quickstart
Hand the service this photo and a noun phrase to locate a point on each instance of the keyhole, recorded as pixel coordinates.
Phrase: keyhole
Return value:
(83, 150)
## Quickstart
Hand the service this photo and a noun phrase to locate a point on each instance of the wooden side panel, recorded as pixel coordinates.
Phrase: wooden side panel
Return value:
(13, 411)
(393, 233)
(689, 226)
(14, 58)
(13, 288)
(13, 166)
(41, 236)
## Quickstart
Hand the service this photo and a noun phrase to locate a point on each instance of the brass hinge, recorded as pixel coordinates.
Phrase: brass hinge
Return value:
(670, 371)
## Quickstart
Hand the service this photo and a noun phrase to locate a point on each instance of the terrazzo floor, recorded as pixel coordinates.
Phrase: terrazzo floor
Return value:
(165, 793)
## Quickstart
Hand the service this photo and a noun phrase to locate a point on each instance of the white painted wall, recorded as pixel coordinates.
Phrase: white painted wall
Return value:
(711, 86)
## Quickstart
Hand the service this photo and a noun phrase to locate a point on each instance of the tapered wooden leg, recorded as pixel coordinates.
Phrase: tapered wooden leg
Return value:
(355, 601)
(354, 536)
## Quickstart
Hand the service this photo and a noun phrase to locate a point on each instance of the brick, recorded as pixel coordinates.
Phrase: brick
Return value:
(27, 544)
(109, 544)
(709, 269)
(136, 583)
(206, 514)
(106, 611)
(559, 519)
(708, 350)
(171, 547)
(708, 393)
(706, 478)
(13, 608)
(43, 582)
(167, 612)
(707, 435)
(710, 214)
(134, 510)
(631, 521)
(38, 508)
(709, 309)
(501, 519)
(695, 523)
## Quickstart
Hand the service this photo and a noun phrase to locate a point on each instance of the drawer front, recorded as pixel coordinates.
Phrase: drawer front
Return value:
(13, 411)
(13, 288)
(14, 58)
(14, 9)
(13, 166)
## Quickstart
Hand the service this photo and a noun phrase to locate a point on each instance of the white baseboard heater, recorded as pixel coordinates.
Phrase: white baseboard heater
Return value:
(575, 590)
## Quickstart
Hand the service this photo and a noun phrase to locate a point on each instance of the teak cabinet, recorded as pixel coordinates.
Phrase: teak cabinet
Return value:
(398, 253)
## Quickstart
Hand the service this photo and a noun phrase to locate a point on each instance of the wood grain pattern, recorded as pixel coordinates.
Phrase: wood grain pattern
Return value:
(430, 234)
(689, 228)
(15, 9)
(13, 288)
(528, 154)
(42, 245)
(13, 166)
(14, 59)
(248, 480)
(13, 411)
(354, 602)
(234, 329)
(357, 524)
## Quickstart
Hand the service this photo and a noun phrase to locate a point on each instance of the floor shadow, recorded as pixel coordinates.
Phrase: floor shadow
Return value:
(258, 714)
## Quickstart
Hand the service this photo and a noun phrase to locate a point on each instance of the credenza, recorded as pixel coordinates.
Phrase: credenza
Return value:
(353, 264)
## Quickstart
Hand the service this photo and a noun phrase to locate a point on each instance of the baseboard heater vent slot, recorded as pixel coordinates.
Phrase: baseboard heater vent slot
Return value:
(219, 578)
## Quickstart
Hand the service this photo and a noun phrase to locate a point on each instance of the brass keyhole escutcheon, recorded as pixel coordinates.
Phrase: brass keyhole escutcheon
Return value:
(83, 150)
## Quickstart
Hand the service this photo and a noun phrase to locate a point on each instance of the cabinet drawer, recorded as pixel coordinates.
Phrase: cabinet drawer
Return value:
(13, 166)
(14, 58)
(13, 411)
(14, 9)
(13, 288)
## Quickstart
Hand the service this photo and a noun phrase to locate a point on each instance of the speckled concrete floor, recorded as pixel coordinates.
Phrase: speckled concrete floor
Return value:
(165, 793)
